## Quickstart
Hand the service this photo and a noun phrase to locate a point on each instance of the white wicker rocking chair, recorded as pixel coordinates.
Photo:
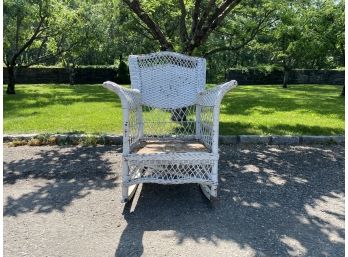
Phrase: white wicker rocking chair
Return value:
(171, 123)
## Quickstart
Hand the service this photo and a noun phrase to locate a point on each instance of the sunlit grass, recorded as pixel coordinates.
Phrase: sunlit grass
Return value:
(300, 109)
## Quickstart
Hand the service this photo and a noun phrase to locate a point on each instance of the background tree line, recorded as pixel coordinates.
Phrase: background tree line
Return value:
(229, 33)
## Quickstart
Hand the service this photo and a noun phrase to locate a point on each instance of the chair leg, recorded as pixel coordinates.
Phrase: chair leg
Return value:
(128, 192)
(205, 190)
(210, 191)
(124, 194)
(215, 178)
(213, 191)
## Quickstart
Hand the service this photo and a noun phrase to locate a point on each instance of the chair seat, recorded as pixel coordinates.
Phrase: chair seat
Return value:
(169, 146)
(170, 162)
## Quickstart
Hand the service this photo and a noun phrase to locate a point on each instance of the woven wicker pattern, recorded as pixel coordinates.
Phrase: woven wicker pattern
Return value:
(179, 82)
(206, 127)
(171, 124)
(134, 128)
(213, 97)
(165, 172)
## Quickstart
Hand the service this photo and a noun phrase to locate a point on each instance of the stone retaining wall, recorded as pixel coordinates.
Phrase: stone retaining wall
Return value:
(99, 75)
(242, 139)
(62, 75)
(256, 77)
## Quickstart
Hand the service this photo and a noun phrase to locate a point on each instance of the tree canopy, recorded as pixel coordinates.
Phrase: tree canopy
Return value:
(229, 33)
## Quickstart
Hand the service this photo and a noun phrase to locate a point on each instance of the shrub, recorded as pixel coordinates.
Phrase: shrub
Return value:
(263, 69)
(122, 76)
(89, 140)
(18, 143)
(35, 142)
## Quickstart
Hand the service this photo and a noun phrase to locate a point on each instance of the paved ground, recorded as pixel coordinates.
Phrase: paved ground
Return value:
(274, 201)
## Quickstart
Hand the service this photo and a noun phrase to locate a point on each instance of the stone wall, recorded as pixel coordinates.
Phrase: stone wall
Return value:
(99, 75)
(256, 77)
(62, 75)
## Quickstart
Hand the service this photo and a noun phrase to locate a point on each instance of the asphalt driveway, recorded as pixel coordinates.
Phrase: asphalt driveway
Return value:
(274, 201)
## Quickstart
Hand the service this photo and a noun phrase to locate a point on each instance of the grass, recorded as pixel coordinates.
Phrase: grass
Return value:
(263, 110)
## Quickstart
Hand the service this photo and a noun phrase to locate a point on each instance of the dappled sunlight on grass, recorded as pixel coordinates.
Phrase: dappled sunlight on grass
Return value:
(62, 108)
(300, 109)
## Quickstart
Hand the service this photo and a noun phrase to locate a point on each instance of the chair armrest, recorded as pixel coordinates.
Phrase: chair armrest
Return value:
(130, 98)
(213, 97)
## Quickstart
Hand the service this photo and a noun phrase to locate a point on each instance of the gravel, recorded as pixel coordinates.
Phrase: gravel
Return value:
(273, 201)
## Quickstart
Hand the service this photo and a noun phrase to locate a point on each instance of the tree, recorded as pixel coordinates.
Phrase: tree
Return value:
(286, 52)
(122, 72)
(35, 32)
(248, 33)
(307, 35)
(303, 34)
(227, 45)
(202, 17)
(105, 35)
(14, 20)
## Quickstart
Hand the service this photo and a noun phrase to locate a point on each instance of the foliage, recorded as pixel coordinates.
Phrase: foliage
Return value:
(308, 46)
(18, 143)
(296, 34)
(123, 73)
(37, 31)
(300, 110)
(289, 34)
(265, 69)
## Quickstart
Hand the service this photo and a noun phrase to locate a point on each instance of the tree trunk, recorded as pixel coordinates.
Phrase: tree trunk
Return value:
(285, 78)
(72, 74)
(179, 114)
(343, 91)
(11, 80)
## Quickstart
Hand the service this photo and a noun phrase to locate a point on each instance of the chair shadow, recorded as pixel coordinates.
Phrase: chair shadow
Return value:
(270, 201)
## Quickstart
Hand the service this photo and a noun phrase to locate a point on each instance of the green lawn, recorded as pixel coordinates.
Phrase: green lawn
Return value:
(298, 110)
